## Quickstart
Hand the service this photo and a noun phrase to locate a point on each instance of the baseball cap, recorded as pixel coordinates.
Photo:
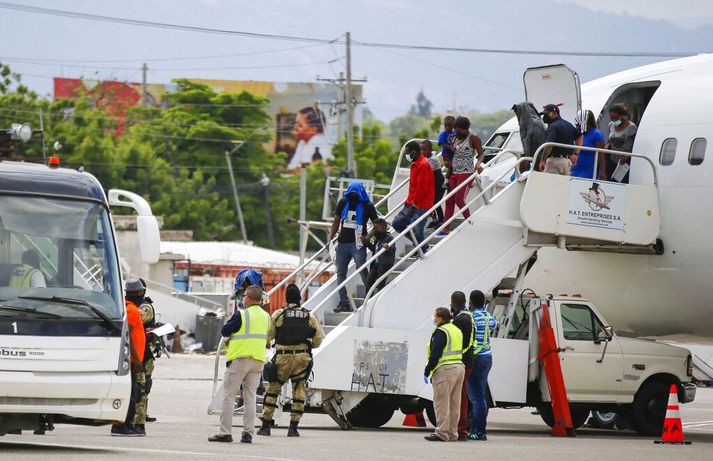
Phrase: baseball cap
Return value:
(550, 108)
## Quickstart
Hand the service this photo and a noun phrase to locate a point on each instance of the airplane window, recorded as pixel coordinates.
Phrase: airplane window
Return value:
(668, 151)
(698, 151)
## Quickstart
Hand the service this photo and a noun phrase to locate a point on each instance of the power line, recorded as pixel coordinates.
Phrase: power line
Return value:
(162, 69)
(177, 58)
(209, 30)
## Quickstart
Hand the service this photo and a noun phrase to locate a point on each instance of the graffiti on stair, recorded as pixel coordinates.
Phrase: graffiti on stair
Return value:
(379, 366)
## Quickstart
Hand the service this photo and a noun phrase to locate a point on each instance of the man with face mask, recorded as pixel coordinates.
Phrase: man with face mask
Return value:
(421, 191)
(555, 160)
(350, 220)
(381, 240)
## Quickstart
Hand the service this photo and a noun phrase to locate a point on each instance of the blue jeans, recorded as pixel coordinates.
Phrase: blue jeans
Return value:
(345, 253)
(403, 220)
(477, 384)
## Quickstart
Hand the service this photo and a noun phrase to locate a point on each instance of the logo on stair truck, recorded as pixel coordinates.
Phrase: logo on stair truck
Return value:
(379, 366)
(589, 204)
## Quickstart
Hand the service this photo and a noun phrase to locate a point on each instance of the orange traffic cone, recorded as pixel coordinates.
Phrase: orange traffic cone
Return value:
(672, 428)
(414, 420)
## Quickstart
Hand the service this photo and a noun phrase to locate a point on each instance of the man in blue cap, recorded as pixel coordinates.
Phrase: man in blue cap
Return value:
(350, 220)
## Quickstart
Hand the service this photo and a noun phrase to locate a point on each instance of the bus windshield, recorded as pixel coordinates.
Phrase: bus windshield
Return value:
(56, 257)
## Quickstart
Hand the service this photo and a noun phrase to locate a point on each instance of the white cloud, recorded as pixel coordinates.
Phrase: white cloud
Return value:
(684, 13)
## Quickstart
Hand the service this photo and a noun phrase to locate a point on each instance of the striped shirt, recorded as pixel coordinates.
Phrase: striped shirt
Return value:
(480, 315)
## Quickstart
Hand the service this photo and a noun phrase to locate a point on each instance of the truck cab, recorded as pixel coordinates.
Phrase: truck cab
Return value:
(602, 371)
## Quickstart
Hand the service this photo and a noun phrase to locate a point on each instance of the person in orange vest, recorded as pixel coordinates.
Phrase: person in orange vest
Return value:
(137, 346)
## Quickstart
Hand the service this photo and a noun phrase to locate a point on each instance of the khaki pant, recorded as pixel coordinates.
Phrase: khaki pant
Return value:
(447, 383)
(248, 372)
(290, 367)
(558, 165)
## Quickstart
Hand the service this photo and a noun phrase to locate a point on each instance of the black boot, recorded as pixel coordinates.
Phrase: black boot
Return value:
(265, 429)
(292, 431)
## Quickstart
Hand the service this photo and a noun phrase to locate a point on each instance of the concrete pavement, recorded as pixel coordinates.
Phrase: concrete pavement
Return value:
(181, 394)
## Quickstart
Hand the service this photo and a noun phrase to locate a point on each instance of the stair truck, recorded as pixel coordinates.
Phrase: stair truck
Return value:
(64, 342)
(371, 361)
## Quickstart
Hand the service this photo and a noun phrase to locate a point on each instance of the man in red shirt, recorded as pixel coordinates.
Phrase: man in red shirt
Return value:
(137, 346)
(421, 190)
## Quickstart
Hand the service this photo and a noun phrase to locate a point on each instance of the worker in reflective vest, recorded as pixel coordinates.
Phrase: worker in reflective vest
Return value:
(247, 330)
(446, 371)
(28, 274)
(482, 363)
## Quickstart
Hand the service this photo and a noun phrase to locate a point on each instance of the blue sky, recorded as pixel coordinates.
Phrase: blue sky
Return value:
(484, 82)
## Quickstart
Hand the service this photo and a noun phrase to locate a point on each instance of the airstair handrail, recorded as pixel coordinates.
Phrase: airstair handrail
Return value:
(430, 237)
(540, 149)
(325, 247)
(409, 229)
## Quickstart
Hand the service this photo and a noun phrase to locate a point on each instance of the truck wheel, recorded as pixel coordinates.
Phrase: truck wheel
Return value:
(374, 411)
(603, 419)
(427, 407)
(649, 408)
(579, 415)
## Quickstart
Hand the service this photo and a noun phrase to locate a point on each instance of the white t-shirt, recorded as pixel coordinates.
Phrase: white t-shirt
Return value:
(37, 280)
(305, 150)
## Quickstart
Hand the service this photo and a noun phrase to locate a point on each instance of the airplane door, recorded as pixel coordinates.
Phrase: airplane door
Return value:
(585, 378)
(556, 84)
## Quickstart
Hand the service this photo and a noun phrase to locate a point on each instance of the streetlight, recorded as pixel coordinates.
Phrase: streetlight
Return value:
(228, 153)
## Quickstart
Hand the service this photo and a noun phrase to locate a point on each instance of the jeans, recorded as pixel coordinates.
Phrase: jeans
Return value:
(477, 385)
(403, 220)
(345, 253)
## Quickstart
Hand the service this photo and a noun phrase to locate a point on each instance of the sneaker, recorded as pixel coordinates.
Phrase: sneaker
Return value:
(246, 438)
(462, 437)
(150, 419)
(433, 438)
(474, 436)
(122, 430)
(226, 438)
(442, 234)
(139, 429)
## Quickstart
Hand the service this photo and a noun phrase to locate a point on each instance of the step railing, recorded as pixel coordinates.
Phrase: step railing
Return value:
(369, 315)
(325, 248)
(540, 151)
(408, 230)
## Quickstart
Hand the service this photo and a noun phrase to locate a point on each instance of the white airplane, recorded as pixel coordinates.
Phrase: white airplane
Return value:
(646, 294)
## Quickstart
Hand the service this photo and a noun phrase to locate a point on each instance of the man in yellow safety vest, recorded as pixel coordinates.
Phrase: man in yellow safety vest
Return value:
(247, 330)
(28, 274)
(446, 371)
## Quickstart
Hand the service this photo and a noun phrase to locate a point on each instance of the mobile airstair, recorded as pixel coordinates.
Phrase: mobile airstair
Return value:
(374, 357)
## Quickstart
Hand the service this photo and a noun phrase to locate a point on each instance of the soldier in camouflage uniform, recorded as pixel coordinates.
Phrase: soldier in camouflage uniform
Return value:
(295, 331)
(148, 317)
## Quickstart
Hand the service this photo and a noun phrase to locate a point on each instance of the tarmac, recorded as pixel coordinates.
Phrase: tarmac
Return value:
(182, 391)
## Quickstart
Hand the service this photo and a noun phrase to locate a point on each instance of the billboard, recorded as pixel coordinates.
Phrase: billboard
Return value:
(307, 119)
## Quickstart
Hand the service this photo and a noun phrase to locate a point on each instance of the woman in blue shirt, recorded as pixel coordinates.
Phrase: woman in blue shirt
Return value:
(592, 137)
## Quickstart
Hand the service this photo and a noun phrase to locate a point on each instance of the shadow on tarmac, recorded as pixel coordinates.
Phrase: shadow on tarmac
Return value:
(39, 447)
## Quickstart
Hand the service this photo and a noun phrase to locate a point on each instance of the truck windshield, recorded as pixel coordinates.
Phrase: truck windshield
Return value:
(53, 248)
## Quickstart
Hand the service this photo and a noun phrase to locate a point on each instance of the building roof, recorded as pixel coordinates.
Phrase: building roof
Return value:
(231, 254)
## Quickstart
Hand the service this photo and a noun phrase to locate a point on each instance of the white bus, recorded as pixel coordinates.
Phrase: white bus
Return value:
(64, 353)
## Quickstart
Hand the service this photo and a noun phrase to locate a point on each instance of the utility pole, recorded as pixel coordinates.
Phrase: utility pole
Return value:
(303, 218)
(351, 164)
(235, 192)
(144, 87)
(42, 130)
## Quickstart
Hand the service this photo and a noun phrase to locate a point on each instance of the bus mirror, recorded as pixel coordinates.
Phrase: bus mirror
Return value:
(146, 223)
(149, 238)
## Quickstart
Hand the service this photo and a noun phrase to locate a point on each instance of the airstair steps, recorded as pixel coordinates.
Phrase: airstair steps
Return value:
(335, 318)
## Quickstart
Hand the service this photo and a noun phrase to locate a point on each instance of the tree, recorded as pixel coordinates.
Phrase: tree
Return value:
(422, 107)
